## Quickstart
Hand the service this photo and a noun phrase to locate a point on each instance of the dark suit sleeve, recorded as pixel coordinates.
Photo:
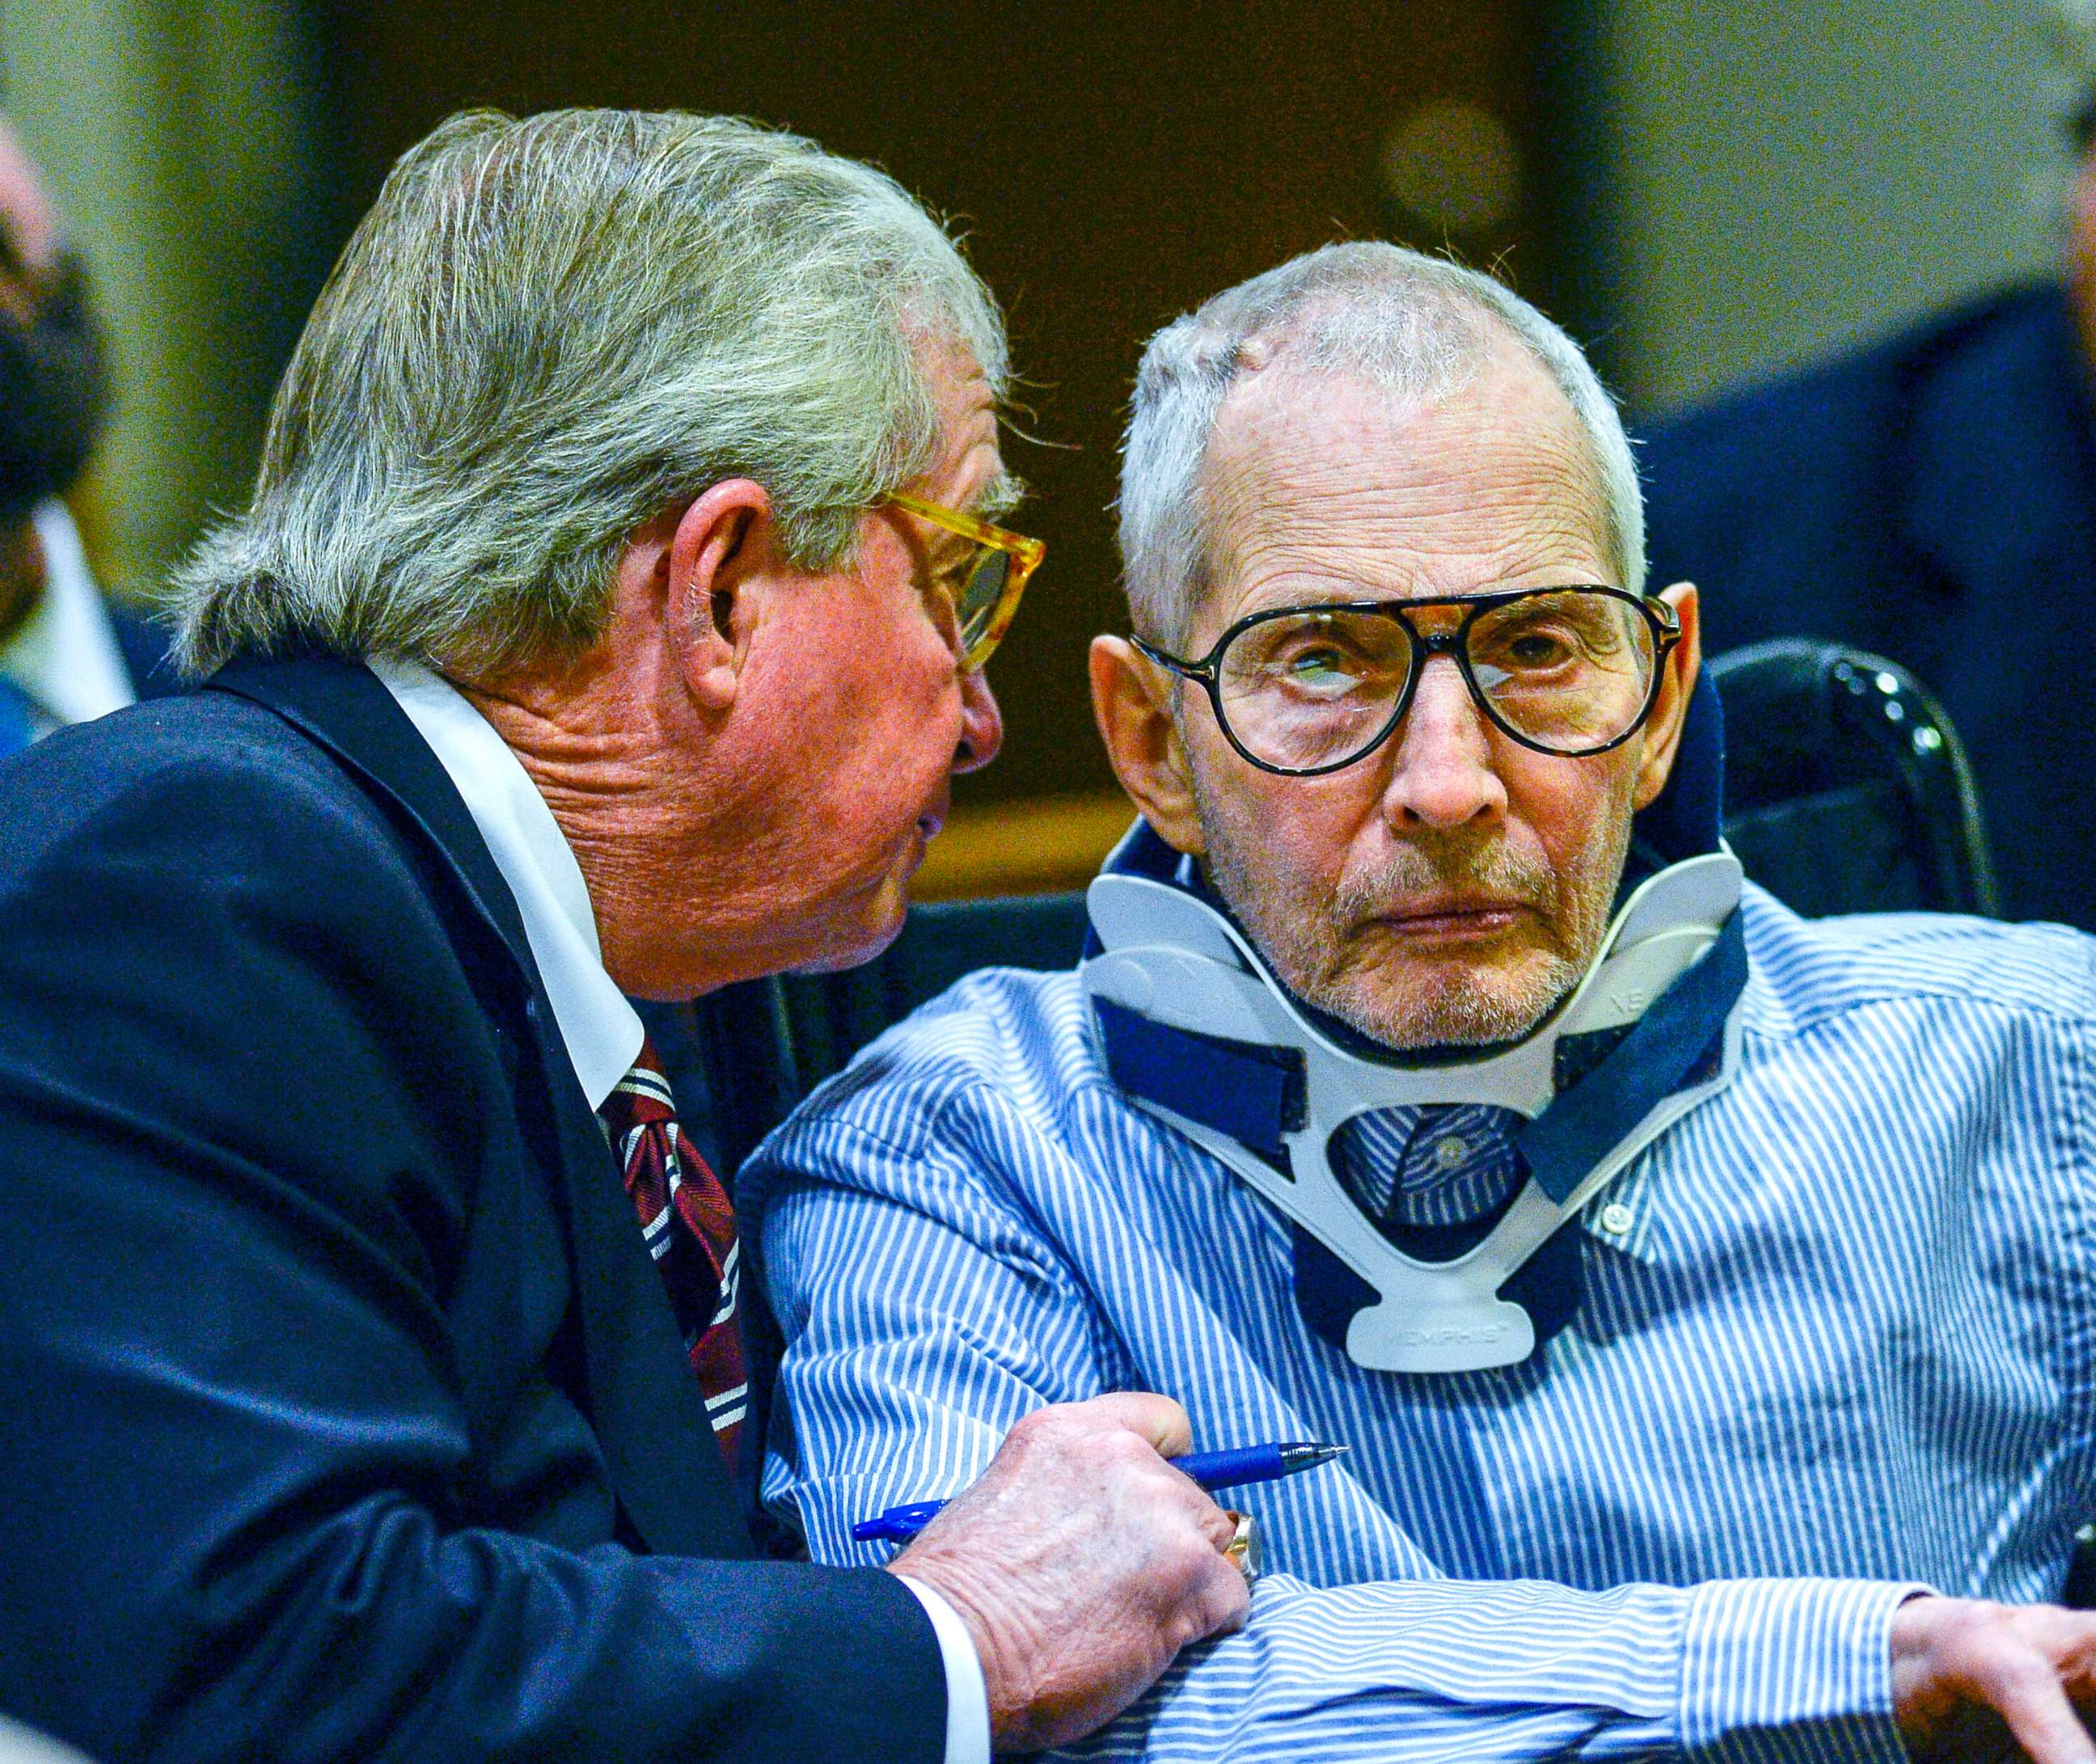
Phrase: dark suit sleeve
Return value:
(143, 644)
(243, 1482)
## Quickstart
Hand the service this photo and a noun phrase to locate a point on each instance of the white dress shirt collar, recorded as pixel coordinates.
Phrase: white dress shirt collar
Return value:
(602, 1031)
(65, 656)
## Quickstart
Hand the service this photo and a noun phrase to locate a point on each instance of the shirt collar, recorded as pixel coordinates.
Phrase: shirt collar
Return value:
(602, 1031)
(1446, 1164)
(65, 656)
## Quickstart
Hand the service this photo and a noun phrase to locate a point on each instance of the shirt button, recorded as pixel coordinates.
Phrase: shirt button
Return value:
(1617, 1218)
(1450, 1151)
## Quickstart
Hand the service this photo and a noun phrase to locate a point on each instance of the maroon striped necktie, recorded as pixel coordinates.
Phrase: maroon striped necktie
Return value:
(689, 1226)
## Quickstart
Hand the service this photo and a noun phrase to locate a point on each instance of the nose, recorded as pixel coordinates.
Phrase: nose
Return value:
(1441, 772)
(982, 724)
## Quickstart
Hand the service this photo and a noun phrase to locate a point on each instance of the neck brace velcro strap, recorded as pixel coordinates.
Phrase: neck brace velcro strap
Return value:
(1252, 1092)
(1679, 1041)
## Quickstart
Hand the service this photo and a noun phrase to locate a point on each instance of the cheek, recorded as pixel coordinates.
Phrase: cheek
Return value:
(1580, 818)
(884, 731)
(1289, 842)
(912, 697)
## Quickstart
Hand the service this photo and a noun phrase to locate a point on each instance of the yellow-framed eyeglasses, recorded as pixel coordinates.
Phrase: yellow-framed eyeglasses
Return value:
(992, 581)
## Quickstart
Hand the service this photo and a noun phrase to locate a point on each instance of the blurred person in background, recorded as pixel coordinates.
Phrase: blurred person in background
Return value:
(1932, 498)
(65, 655)
(607, 619)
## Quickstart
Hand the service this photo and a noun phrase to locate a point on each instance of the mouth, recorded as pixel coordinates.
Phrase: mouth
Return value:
(1454, 918)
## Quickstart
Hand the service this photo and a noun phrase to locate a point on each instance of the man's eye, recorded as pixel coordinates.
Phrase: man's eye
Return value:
(949, 582)
(1311, 662)
(1532, 648)
(1320, 668)
(1538, 649)
(1547, 639)
(942, 601)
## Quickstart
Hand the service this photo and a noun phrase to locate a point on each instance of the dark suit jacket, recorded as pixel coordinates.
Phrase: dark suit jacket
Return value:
(143, 645)
(345, 1418)
(1932, 498)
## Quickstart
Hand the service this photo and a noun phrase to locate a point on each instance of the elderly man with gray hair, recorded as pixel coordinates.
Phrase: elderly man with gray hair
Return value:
(608, 619)
(1697, 1287)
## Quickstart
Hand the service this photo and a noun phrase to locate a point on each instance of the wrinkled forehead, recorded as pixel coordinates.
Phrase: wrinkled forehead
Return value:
(1318, 476)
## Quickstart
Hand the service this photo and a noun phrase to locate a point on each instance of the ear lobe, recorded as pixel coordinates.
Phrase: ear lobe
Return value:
(1142, 741)
(1662, 730)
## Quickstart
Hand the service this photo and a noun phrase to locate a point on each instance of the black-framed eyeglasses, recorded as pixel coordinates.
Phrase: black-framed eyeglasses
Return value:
(1304, 690)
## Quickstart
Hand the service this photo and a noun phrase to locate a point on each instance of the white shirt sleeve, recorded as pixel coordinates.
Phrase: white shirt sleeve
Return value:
(967, 1697)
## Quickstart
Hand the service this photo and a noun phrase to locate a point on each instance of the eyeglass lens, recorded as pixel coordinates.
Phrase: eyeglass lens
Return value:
(988, 572)
(1571, 672)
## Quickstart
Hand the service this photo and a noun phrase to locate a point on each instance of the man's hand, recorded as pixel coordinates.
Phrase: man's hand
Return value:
(1081, 1562)
(1974, 1680)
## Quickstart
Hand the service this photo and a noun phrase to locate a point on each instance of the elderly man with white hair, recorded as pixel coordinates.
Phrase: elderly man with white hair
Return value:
(1705, 1294)
(608, 619)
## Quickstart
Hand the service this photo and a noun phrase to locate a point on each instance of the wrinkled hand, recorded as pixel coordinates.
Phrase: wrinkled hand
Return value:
(1974, 1680)
(1081, 1563)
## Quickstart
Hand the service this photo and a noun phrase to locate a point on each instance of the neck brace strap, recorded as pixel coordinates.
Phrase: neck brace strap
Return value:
(1193, 1028)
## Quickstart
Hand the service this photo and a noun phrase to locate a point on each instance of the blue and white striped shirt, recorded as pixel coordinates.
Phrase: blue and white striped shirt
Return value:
(1834, 1342)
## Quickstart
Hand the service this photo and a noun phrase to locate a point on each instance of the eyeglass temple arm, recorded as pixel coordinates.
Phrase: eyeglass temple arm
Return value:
(1191, 670)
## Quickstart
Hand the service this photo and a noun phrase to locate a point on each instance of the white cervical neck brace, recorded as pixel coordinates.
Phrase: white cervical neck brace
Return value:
(1171, 957)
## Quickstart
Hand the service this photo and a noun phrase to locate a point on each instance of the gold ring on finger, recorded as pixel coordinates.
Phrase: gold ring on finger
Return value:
(1243, 1551)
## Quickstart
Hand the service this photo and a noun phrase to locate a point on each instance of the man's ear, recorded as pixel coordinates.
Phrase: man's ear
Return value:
(1130, 704)
(1662, 729)
(711, 564)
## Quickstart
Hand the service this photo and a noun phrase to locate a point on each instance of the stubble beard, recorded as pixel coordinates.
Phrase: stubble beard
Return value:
(1326, 948)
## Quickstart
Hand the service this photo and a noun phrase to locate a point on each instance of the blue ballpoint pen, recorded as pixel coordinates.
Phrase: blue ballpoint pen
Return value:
(1233, 1469)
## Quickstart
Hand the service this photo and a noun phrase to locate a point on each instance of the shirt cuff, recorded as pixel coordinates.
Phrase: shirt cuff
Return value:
(967, 1697)
(1790, 1669)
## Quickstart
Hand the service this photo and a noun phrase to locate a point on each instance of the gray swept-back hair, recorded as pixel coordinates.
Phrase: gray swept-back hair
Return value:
(1416, 326)
(544, 333)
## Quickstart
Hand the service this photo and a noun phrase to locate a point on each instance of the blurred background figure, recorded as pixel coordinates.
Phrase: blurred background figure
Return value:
(1931, 496)
(65, 657)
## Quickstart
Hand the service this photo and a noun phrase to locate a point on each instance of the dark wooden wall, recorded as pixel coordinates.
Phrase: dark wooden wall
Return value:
(1114, 165)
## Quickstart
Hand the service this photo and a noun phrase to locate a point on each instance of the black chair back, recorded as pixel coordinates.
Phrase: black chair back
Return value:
(1846, 789)
(764, 1045)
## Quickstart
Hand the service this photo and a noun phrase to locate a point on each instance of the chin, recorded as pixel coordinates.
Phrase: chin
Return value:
(854, 942)
(1462, 1009)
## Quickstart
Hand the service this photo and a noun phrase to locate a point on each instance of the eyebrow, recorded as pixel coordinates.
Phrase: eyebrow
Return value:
(1294, 591)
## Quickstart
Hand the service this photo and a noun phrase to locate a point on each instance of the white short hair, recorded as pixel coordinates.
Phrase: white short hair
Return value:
(546, 332)
(1417, 327)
